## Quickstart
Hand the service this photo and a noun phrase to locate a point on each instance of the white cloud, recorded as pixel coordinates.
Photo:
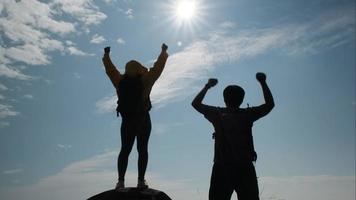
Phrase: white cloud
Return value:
(2, 97)
(83, 10)
(85, 178)
(160, 129)
(32, 28)
(97, 39)
(12, 72)
(69, 43)
(28, 96)
(308, 188)
(72, 50)
(199, 58)
(109, 1)
(77, 75)
(120, 41)
(129, 13)
(4, 124)
(106, 104)
(29, 54)
(64, 147)
(36, 14)
(12, 171)
(227, 24)
(3, 87)
(6, 111)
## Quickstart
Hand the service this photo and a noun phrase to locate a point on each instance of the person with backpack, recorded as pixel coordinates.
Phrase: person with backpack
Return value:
(234, 152)
(133, 91)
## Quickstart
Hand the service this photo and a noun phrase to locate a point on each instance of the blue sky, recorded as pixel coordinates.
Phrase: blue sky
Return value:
(59, 133)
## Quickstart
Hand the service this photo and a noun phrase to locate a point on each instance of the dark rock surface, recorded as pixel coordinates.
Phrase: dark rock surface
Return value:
(131, 194)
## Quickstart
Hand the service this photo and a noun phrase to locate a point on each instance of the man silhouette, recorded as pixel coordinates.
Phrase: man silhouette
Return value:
(133, 91)
(234, 152)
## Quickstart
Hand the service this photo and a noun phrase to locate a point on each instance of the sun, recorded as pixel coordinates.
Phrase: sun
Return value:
(186, 10)
(185, 16)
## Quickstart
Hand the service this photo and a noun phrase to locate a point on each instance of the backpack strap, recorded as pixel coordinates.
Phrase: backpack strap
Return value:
(253, 151)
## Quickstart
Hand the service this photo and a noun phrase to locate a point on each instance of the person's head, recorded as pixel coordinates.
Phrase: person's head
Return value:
(233, 96)
(134, 68)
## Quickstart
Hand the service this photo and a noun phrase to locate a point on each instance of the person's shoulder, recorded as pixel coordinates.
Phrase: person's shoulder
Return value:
(220, 109)
(211, 111)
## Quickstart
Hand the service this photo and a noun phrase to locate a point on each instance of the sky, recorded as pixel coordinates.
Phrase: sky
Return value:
(59, 132)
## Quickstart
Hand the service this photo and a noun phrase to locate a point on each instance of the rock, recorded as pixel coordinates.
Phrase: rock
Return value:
(131, 194)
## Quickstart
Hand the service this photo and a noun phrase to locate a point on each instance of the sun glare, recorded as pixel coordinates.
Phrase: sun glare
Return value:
(186, 10)
(186, 16)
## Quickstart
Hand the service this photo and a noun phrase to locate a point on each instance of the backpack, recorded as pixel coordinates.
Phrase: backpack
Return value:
(237, 134)
(130, 96)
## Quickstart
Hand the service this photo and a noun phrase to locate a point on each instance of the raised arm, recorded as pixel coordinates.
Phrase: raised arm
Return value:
(159, 65)
(110, 68)
(197, 102)
(265, 108)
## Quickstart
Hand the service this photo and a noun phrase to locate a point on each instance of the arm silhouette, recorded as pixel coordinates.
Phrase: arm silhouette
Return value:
(110, 68)
(197, 102)
(159, 65)
(265, 108)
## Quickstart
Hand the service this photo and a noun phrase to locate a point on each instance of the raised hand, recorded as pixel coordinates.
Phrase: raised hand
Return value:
(261, 77)
(107, 50)
(164, 47)
(212, 82)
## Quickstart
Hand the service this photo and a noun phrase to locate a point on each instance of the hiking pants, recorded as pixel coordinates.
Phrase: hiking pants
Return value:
(134, 126)
(240, 178)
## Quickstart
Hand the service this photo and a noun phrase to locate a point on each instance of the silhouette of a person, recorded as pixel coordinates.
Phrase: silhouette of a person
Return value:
(133, 89)
(234, 153)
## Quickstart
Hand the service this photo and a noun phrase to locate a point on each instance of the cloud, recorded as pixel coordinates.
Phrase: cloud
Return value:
(12, 72)
(308, 187)
(32, 29)
(198, 59)
(29, 54)
(4, 124)
(227, 24)
(85, 178)
(77, 75)
(109, 1)
(83, 10)
(160, 129)
(129, 13)
(6, 111)
(3, 87)
(12, 171)
(120, 41)
(64, 147)
(72, 50)
(97, 39)
(35, 14)
(28, 96)
(106, 104)
(9, 71)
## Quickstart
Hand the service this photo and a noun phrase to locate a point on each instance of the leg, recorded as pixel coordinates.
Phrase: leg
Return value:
(247, 187)
(142, 146)
(127, 141)
(220, 187)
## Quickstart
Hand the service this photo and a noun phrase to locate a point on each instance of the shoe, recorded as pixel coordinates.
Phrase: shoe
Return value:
(120, 185)
(142, 184)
